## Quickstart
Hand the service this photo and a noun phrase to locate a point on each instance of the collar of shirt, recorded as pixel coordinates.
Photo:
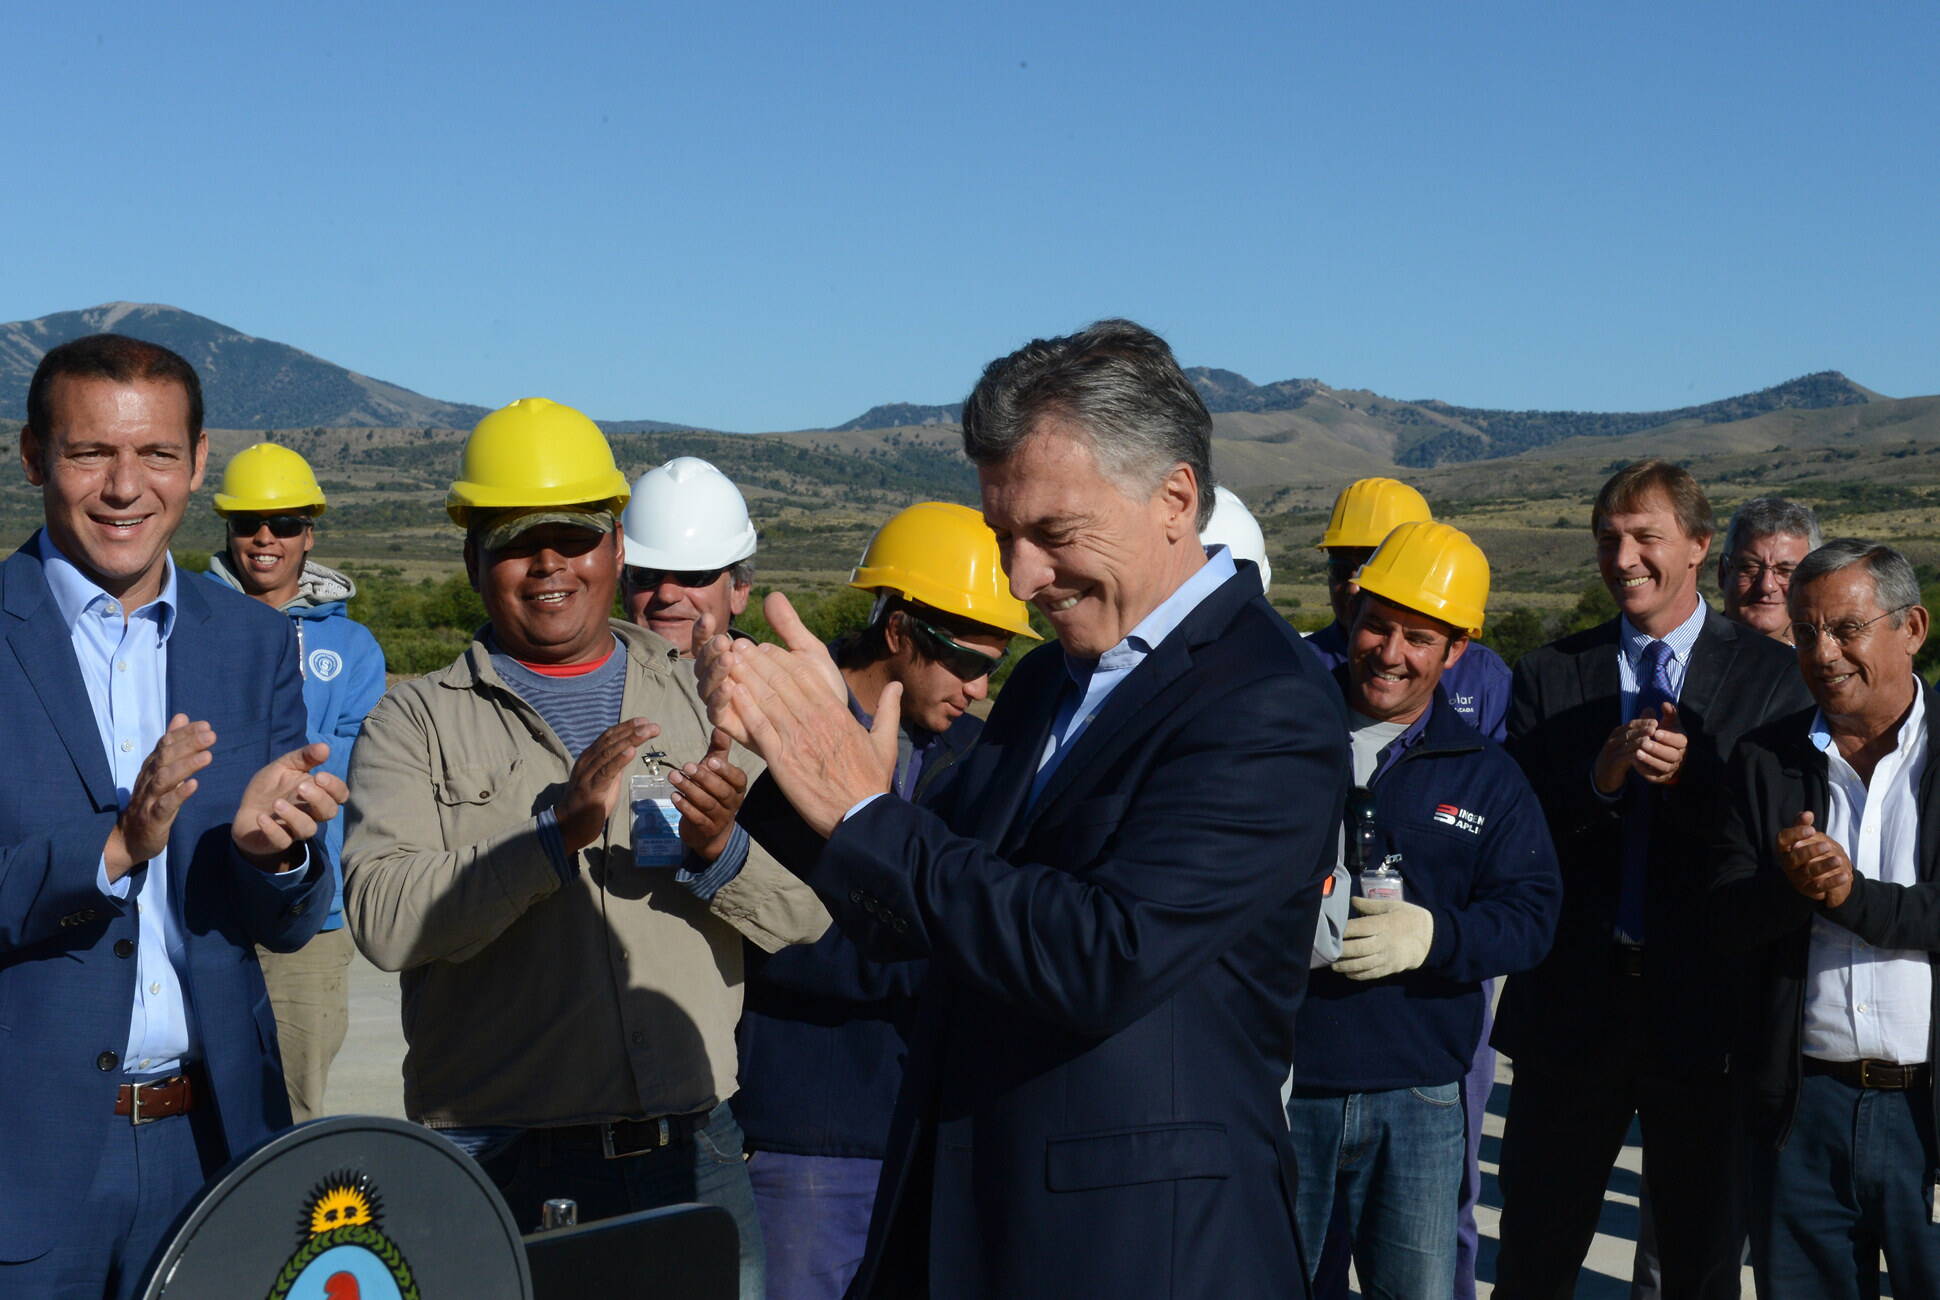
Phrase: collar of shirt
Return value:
(75, 593)
(1680, 638)
(1408, 739)
(1909, 745)
(1158, 624)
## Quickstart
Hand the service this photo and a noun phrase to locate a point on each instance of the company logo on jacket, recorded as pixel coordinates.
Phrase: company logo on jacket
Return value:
(1460, 818)
(325, 664)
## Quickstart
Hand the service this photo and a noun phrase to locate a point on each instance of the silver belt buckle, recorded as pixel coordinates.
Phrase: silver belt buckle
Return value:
(134, 1106)
(663, 1135)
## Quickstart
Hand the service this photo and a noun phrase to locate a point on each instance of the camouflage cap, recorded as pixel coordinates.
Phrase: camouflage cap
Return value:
(505, 526)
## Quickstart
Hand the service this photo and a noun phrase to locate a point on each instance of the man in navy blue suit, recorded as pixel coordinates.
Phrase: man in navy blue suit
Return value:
(1117, 894)
(155, 821)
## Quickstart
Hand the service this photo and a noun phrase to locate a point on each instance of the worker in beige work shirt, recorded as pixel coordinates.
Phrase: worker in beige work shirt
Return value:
(571, 960)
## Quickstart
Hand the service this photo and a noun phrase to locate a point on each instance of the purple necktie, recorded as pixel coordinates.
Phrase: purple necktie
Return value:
(1653, 691)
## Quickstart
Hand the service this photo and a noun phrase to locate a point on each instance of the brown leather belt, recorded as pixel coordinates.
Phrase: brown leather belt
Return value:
(157, 1099)
(1872, 1074)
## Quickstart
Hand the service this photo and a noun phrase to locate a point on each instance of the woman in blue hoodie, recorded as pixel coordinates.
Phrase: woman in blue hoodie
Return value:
(270, 500)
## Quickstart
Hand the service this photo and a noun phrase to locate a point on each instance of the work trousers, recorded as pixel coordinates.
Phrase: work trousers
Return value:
(1566, 1124)
(814, 1220)
(1393, 1161)
(309, 990)
(1854, 1181)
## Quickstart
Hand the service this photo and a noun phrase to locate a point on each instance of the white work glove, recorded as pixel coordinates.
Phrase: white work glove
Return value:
(1388, 937)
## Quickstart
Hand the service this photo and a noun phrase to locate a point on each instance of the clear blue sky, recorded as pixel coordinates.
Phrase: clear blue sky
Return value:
(773, 215)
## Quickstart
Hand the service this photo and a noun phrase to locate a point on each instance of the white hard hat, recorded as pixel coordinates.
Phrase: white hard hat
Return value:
(686, 515)
(1232, 525)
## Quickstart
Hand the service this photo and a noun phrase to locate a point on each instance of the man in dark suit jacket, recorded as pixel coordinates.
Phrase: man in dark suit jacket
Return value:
(1624, 731)
(1117, 893)
(137, 1049)
(1827, 871)
(824, 1031)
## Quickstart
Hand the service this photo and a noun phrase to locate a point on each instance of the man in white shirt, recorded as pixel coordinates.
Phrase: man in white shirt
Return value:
(1827, 872)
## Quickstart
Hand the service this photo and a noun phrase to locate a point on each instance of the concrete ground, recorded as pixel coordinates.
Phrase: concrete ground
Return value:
(366, 1081)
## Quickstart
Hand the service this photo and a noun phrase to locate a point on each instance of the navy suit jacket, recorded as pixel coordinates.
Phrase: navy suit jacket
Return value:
(1092, 1102)
(66, 987)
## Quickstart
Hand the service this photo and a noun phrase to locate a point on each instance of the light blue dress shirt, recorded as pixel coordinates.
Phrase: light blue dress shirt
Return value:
(124, 662)
(1095, 680)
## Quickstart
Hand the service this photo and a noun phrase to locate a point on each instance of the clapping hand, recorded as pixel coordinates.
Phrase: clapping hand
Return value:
(708, 794)
(283, 805)
(1814, 862)
(789, 704)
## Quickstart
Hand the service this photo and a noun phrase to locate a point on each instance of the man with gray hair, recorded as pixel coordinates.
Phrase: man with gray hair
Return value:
(1767, 538)
(1117, 891)
(1826, 873)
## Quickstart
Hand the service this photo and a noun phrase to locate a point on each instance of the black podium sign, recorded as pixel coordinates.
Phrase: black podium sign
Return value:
(351, 1208)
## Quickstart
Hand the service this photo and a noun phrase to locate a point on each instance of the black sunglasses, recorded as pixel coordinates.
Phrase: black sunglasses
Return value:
(965, 661)
(279, 525)
(647, 579)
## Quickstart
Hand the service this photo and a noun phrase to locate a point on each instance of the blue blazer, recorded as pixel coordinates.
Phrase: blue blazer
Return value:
(67, 974)
(1092, 1101)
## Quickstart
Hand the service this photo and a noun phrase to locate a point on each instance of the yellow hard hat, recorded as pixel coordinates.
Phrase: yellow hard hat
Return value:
(1368, 509)
(944, 556)
(267, 479)
(1433, 569)
(532, 454)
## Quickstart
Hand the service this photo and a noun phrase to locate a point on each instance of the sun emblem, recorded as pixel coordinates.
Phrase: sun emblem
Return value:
(341, 1200)
(343, 1253)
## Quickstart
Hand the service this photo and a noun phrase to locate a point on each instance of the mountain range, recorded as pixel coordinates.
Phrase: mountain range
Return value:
(254, 383)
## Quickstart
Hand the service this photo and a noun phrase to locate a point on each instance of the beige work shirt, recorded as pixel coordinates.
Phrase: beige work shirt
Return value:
(528, 1002)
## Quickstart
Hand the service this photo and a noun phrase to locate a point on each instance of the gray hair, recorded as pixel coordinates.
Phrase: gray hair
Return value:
(1764, 516)
(1895, 585)
(1116, 381)
(741, 573)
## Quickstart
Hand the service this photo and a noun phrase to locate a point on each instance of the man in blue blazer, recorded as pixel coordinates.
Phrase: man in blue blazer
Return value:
(154, 826)
(1117, 893)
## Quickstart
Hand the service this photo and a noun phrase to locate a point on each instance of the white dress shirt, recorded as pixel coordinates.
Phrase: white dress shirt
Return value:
(1862, 1002)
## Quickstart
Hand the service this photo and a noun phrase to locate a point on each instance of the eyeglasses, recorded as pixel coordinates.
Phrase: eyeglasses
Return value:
(648, 579)
(1750, 571)
(965, 661)
(1806, 635)
(284, 526)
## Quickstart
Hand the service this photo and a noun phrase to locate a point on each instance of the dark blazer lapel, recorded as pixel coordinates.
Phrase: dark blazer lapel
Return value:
(191, 684)
(1107, 732)
(1596, 670)
(44, 645)
(1710, 669)
(1929, 783)
(1003, 762)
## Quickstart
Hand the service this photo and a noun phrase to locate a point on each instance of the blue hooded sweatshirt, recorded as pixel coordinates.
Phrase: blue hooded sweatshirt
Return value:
(343, 678)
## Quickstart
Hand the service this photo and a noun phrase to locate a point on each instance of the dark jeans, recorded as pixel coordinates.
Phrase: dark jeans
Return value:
(1393, 1160)
(535, 1165)
(1853, 1181)
(1565, 1127)
(814, 1220)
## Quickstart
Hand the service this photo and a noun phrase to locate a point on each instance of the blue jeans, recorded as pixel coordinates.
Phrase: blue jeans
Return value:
(1394, 1161)
(814, 1220)
(1853, 1181)
(533, 1165)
